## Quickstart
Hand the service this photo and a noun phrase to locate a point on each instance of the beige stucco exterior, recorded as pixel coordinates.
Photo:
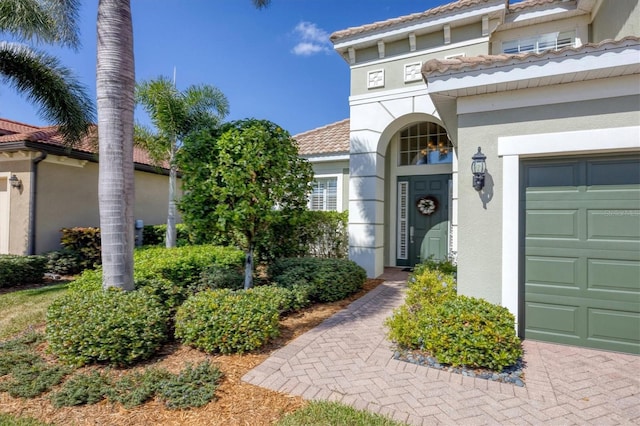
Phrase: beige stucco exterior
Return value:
(616, 19)
(67, 196)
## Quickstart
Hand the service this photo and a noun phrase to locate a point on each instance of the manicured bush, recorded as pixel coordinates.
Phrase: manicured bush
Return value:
(16, 269)
(85, 242)
(184, 265)
(286, 299)
(215, 277)
(456, 330)
(308, 233)
(154, 235)
(64, 262)
(111, 327)
(329, 279)
(225, 321)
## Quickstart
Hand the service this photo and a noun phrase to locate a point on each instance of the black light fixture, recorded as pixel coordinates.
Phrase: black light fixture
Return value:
(478, 168)
(15, 182)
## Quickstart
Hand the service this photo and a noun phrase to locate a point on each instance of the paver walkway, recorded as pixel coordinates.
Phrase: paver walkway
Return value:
(348, 359)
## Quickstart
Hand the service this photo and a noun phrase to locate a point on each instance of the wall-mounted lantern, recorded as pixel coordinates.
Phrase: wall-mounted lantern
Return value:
(15, 182)
(478, 168)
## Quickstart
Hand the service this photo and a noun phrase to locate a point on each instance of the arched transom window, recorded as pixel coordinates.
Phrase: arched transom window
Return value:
(424, 143)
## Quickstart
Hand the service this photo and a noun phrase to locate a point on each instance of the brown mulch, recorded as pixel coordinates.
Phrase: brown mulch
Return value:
(237, 403)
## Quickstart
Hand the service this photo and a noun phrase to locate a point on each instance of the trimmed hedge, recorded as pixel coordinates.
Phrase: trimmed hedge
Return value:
(85, 242)
(16, 269)
(224, 321)
(113, 327)
(455, 329)
(328, 279)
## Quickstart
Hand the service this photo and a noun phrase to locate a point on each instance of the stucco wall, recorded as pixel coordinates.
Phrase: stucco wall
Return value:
(18, 204)
(68, 197)
(616, 19)
(480, 214)
(394, 68)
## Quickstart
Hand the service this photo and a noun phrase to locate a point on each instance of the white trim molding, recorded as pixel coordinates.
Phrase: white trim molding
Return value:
(511, 149)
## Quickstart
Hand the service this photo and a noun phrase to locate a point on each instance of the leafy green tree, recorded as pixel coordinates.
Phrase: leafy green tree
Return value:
(236, 180)
(174, 115)
(37, 75)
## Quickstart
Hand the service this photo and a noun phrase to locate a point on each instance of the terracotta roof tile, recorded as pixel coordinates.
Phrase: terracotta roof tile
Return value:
(332, 138)
(460, 4)
(442, 66)
(13, 131)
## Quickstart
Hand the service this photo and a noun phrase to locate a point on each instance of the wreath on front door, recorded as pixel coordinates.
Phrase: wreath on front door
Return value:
(427, 205)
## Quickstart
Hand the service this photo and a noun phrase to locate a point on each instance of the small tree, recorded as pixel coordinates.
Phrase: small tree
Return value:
(175, 114)
(235, 184)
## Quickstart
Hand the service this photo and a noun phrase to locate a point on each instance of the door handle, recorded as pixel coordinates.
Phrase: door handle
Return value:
(411, 234)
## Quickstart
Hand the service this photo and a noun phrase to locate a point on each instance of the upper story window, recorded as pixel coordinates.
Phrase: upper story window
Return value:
(424, 143)
(324, 195)
(551, 41)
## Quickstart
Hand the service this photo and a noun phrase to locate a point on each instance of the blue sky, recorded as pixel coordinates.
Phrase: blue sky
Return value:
(275, 64)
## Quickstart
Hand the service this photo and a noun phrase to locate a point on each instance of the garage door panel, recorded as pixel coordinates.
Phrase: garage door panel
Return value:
(613, 224)
(553, 320)
(552, 223)
(582, 252)
(614, 329)
(614, 275)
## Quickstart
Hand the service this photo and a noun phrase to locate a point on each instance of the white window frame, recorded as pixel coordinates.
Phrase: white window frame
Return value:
(339, 189)
(535, 41)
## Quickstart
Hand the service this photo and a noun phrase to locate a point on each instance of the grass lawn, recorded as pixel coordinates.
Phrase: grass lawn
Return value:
(8, 420)
(22, 309)
(321, 413)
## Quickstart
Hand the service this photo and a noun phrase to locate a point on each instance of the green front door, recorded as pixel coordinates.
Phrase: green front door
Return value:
(582, 252)
(422, 234)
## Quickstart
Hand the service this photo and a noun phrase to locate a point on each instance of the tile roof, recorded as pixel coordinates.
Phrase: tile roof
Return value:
(330, 139)
(14, 131)
(460, 4)
(443, 66)
(448, 7)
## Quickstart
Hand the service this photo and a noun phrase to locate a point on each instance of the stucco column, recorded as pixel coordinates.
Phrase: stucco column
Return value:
(366, 202)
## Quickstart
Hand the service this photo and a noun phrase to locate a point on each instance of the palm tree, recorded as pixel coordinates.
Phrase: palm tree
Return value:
(37, 75)
(175, 114)
(115, 84)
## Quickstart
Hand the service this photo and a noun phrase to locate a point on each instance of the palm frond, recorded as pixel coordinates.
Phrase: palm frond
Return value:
(61, 98)
(261, 4)
(44, 21)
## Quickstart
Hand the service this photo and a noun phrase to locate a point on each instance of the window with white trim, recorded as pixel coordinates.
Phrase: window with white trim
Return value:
(540, 43)
(324, 194)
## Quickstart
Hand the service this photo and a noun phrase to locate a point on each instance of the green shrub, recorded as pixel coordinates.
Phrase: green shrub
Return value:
(19, 352)
(456, 330)
(286, 299)
(82, 389)
(111, 327)
(447, 266)
(225, 321)
(215, 277)
(193, 387)
(183, 265)
(85, 242)
(16, 269)
(88, 281)
(308, 233)
(154, 235)
(64, 262)
(329, 279)
(474, 333)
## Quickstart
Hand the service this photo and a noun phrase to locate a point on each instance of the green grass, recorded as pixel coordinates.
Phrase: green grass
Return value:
(9, 420)
(25, 308)
(320, 413)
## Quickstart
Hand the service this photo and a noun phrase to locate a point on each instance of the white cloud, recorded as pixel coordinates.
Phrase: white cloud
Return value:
(312, 39)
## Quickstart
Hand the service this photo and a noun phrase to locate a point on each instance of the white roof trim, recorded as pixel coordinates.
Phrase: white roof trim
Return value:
(318, 158)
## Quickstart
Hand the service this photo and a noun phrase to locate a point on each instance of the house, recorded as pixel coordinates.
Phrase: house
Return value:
(46, 186)
(542, 98)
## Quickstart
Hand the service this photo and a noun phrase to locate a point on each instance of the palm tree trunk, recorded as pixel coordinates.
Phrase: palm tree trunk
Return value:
(115, 83)
(171, 236)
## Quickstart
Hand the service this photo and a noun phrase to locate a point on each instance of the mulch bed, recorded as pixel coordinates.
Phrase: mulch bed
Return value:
(237, 403)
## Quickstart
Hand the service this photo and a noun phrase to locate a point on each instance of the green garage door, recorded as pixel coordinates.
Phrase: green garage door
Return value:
(582, 252)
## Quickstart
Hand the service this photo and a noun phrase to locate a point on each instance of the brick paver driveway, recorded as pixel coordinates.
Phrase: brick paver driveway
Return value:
(348, 359)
